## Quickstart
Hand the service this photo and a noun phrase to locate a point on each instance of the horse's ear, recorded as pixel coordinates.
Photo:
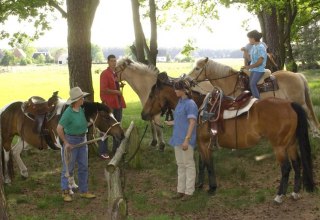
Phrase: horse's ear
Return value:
(206, 59)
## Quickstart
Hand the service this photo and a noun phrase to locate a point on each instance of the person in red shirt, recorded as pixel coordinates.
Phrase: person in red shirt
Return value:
(111, 95)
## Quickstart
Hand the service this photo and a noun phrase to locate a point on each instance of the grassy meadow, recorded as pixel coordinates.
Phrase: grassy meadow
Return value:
(246, 187)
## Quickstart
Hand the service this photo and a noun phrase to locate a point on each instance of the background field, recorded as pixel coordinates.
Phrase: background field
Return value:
(246, 187)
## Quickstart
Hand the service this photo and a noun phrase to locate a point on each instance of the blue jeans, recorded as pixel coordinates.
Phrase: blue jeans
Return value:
(79, 155)
(254, 79)
(103, 145)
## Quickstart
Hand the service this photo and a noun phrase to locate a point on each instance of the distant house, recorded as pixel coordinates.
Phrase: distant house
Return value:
(62, 59)
(19, 53)
(37, 54)
(162, 55)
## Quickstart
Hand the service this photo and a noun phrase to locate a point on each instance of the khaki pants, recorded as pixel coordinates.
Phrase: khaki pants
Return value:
(186, 170)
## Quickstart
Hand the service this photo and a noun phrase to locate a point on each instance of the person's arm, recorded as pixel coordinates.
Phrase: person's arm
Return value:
(192, 123)
(258, 63)
(61, 135)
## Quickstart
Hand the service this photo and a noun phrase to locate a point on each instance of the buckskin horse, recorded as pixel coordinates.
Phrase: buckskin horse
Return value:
(36, 120)
(141, 78)
(292, 86)
(282, 122)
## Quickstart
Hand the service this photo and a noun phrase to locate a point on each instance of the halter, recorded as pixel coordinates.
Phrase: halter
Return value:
(104, 133)
(120, 71)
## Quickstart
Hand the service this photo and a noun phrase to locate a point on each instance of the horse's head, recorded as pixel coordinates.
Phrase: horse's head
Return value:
(122, 64)
(161, 97)
(198, 73)
(102, 118)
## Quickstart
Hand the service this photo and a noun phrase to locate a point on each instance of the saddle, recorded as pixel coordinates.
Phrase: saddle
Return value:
(268, 82)
(216, 103)
(40, 110)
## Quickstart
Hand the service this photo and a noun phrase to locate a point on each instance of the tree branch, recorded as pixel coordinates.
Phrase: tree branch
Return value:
(54, 4)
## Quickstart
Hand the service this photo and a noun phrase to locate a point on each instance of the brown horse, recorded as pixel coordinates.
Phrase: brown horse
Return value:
(292, 86)
(246, 130)
(16, 121)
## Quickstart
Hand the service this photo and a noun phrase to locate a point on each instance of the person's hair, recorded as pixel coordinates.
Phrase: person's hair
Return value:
(255, 35)
(183, 84)
(111, 56)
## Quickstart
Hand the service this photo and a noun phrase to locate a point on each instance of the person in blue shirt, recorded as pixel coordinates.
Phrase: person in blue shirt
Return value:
(258, 56)
(184, 139)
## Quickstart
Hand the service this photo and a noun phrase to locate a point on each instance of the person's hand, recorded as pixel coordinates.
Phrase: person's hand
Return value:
(242, 49)
(169, 123)
(245, 67)
(185, 145)
(68, 146)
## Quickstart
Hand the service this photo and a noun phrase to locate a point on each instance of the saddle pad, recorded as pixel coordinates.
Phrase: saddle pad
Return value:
(227, 114)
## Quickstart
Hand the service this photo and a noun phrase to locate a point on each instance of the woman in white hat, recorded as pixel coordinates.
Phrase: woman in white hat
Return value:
(72, 129)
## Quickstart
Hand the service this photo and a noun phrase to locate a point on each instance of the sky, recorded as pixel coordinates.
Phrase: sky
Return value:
(113, 27)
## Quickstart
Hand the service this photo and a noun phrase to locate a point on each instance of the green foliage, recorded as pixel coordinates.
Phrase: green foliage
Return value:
(97, 54)
(7, 59)
(38, 12)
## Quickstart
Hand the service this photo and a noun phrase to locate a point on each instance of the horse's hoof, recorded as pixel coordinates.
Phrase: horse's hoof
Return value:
(161, 147)
(278, 199)
(295, 196)
(153, 143)
(24, 177)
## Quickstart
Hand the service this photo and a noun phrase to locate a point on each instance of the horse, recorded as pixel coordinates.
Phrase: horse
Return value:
(141, 78)
(15, 120)
(282, 122)
(292, 86)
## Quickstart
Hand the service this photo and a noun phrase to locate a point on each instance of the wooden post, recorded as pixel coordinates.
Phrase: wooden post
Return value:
(120, 151)
(117, 205)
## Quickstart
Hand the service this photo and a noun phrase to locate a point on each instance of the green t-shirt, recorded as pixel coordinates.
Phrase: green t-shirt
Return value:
(74, 123)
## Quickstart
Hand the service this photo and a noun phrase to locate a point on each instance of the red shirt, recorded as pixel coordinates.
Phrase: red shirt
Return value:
(108, 81)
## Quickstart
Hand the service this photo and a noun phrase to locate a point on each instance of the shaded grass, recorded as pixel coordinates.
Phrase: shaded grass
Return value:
(242, 181)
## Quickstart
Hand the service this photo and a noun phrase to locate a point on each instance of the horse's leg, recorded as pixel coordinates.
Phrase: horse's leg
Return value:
(285, 171)
(153, 132)
(7, 178)
(16, 151)
(296, 164)
(162, 144)
(211, 177)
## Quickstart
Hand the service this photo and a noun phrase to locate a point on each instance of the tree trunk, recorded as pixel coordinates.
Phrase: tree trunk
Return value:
(138, 33)
(3, 204)
(80, 17)
(152, 54)
(269, 25)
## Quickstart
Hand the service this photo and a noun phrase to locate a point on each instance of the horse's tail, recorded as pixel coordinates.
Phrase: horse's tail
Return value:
(309, 102)
(305, 148)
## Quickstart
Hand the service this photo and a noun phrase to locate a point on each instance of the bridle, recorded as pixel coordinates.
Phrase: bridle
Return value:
(104, 133)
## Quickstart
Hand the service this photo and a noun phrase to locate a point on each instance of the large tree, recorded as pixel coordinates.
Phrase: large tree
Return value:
(79, 16)
(165, 13)
(280, 21)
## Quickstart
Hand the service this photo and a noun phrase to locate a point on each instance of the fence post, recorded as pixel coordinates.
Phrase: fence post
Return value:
(117, 205)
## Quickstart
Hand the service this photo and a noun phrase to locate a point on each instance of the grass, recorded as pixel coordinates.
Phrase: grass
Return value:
(150, 180)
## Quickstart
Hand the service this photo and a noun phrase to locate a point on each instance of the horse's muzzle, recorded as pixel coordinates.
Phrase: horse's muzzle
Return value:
(145, 117)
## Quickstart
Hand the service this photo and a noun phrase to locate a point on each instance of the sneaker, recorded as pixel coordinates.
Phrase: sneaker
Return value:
(104, 156)
(177, 196)
(66, 196)
(87, 195)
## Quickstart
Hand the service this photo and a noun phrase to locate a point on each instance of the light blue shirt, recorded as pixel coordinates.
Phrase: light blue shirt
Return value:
(185, 109)
(257, 51)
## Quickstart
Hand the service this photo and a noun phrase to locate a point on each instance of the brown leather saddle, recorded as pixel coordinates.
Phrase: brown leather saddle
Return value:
(267, 83)
(216, 103)
(40, 110)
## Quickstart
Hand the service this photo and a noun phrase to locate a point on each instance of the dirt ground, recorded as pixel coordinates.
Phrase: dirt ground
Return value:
(148, 194)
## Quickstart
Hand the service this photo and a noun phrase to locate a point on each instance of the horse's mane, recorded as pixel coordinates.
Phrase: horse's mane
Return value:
(138, 67)
(91, 108)
(219, 70)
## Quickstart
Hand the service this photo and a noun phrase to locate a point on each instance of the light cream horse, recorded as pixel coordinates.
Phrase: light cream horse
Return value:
(141, 78)
(292, 86)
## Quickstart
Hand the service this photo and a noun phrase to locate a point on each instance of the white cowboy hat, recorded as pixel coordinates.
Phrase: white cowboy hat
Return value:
(76, 94)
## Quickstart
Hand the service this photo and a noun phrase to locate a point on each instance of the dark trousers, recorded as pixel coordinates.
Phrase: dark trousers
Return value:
(103, 146)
